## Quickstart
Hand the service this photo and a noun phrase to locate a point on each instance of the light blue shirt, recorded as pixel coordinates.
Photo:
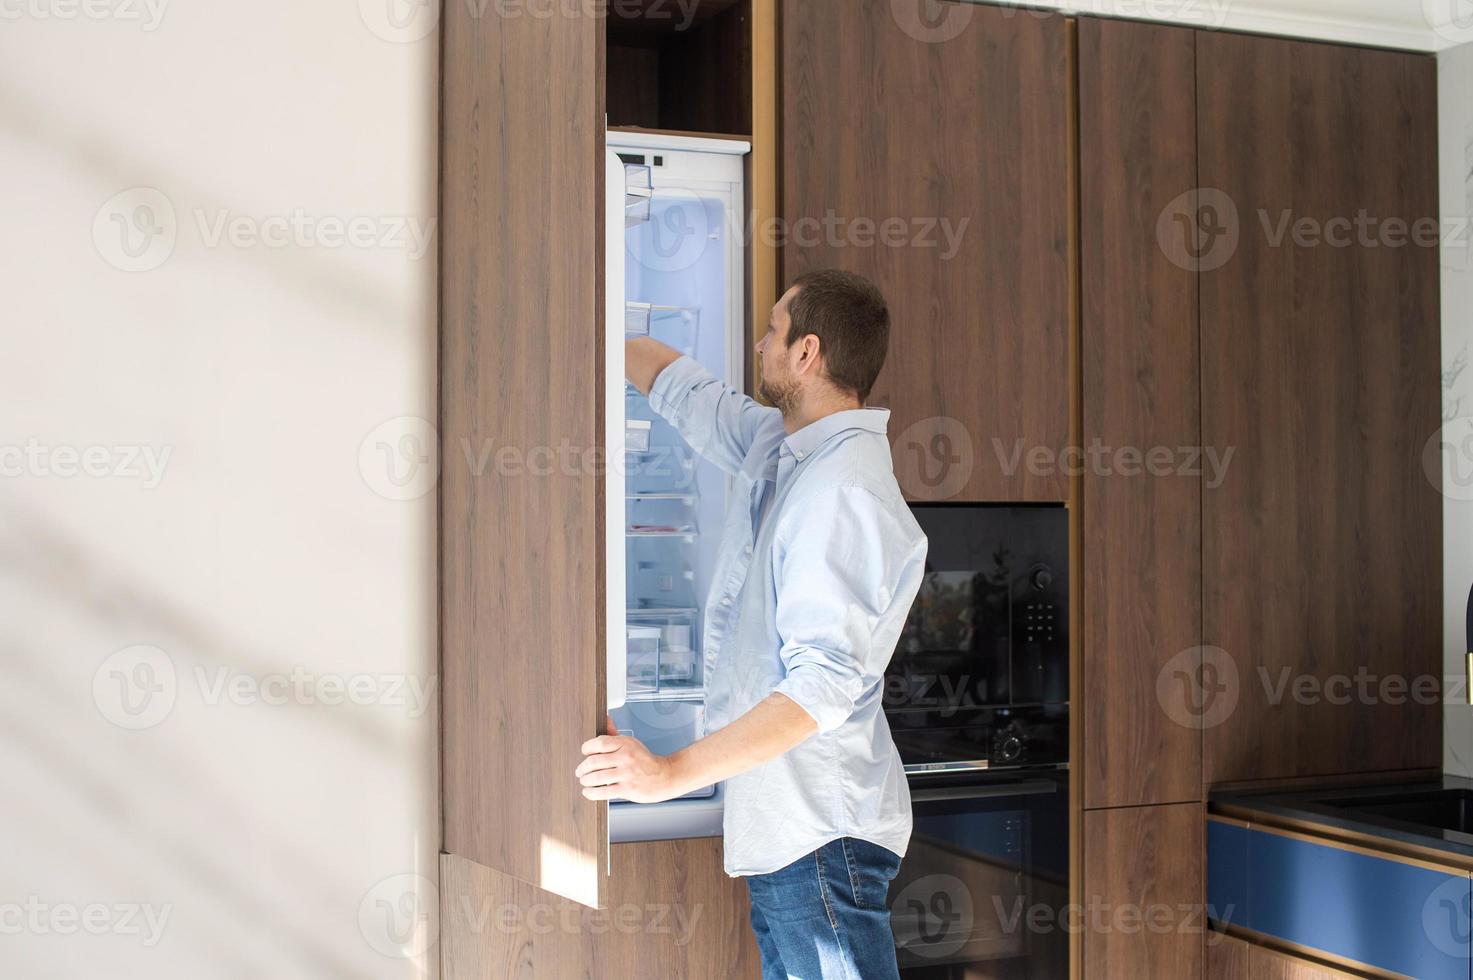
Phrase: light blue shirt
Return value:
(820, 561)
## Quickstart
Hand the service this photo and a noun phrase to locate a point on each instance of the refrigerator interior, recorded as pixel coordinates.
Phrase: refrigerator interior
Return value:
(681, 284)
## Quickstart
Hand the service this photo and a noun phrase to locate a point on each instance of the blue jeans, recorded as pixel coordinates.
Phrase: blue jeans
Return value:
(824, 917)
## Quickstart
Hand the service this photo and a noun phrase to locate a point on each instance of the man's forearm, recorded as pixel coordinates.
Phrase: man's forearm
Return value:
(775, 725)
(644, 359)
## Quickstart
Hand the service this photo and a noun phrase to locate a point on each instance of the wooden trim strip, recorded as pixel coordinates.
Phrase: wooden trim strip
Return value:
(1340, 965)
(1343, 840)
(1076, 492)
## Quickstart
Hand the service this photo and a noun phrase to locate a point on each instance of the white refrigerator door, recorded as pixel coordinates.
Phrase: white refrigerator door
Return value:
(613, 462)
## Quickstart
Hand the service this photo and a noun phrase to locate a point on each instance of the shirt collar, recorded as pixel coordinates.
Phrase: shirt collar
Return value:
(807, 439)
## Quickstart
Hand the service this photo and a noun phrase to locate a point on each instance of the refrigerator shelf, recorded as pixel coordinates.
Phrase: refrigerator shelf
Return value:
(690, 497)
(688, 533)
(640, 319)
(637, 193)
(670, 692)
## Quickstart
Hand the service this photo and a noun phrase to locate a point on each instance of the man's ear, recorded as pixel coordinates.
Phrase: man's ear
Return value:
(808, 357)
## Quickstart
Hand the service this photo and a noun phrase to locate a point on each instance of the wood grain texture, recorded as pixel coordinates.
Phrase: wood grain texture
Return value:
(1142, 528)
(880, 124)
(1230, 958)
(1137, 859)
(520, 359)
(672, 913)
(1322, 548)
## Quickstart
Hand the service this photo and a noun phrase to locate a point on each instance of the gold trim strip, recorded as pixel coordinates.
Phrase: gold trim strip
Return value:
(1317, 957)
(1340, 843)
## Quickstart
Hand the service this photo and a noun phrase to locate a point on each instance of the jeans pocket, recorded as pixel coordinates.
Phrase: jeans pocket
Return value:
(871, 869)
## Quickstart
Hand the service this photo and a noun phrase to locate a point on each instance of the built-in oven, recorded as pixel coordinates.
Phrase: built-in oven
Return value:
(984, 887)
(977, 697)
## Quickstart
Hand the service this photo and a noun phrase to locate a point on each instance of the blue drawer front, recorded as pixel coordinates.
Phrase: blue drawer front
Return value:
(1227, 873)
(1399, 917)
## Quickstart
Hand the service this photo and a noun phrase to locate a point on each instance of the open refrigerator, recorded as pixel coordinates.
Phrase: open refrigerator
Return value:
(674, 267)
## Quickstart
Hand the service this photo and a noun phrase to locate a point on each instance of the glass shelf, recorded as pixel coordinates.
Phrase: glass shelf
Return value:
(636, 436)
(662, 661)
(637, 193)
(688, 533)
(642, 318)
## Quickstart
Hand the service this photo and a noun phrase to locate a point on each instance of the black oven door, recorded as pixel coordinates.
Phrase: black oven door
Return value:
(983, 889)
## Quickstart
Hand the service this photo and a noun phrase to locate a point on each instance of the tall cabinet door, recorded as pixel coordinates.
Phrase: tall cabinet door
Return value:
(1141, 507)
(1320, 367)
(521, 423)
(924, 145)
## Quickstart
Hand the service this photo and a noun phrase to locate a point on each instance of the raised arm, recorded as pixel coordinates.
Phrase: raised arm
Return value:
(644, 359)
(715, 419)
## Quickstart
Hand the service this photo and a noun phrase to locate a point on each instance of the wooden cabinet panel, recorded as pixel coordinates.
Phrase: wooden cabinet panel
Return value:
(1322, 553)
(1232, 959)
(1142, 524)
(932, 156)
(1137, 861)
(672, 913)
(521, 369)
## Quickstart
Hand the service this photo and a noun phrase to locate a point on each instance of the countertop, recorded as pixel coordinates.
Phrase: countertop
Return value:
(1313, 807)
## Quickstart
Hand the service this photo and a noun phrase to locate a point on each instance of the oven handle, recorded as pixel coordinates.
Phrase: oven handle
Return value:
(983, 791)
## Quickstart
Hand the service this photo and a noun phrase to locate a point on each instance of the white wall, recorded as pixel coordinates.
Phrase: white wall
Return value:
(273, 832)
(1455, 442)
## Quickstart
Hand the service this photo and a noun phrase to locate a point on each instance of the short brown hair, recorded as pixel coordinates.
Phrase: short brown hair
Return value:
(847, 313)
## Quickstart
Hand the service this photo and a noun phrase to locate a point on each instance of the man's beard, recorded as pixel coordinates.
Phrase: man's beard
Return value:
(783, 395)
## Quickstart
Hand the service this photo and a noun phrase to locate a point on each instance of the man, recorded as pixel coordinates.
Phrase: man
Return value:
(820, 561)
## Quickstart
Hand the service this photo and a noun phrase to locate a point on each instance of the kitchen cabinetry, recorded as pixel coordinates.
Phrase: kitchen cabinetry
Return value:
(1233, 959)
(1340, 901)
(1141, 501)
(671, 912)
(1321, 552)
(930, 154)
(521, 356)
(1142, 868)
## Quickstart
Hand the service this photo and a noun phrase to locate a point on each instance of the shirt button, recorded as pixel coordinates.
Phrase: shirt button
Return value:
(726, 600)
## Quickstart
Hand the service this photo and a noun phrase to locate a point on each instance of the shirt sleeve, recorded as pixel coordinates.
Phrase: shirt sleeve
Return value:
(845, 562)
(715, 419)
